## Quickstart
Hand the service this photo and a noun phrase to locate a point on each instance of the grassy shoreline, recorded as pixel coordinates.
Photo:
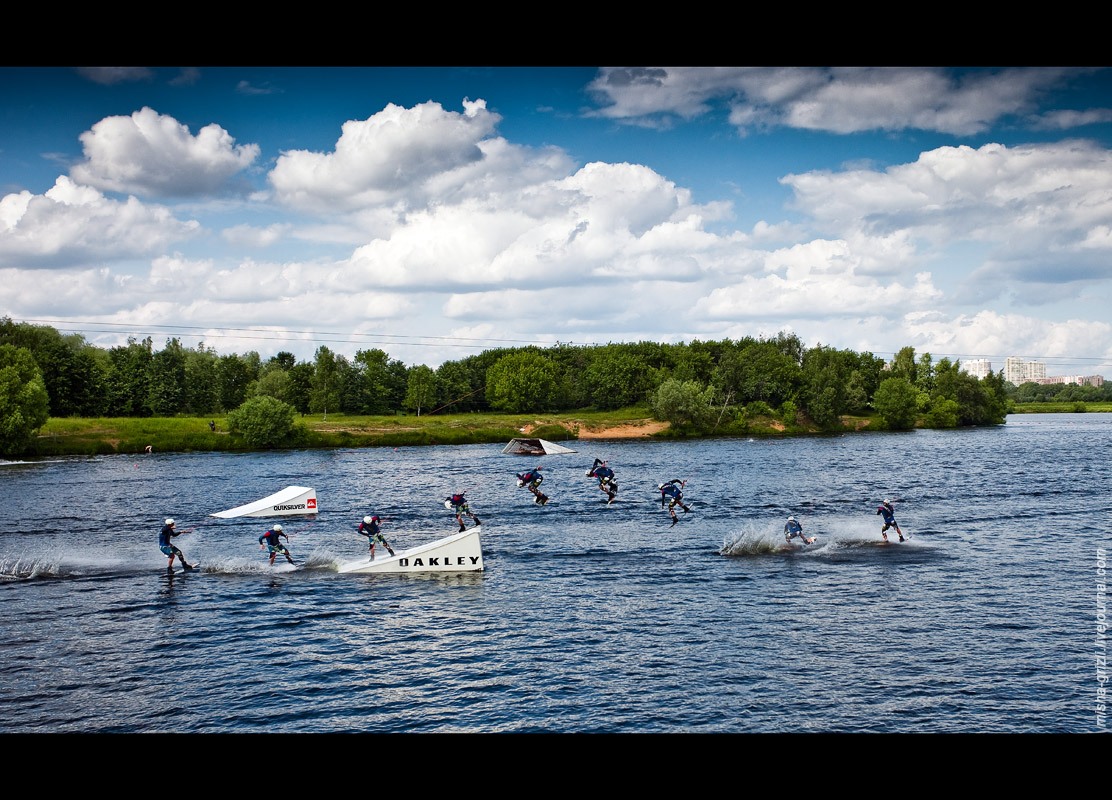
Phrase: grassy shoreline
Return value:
(109, 435)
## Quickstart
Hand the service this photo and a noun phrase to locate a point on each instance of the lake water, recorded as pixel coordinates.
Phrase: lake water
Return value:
(588, 617)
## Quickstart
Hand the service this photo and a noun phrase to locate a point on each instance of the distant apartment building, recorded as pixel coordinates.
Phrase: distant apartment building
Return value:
(1080, 380)
(1017, 371)
(977, 367)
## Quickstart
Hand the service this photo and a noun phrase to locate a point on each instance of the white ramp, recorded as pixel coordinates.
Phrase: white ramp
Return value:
(525, 446)
(461, 552)
(291, 501)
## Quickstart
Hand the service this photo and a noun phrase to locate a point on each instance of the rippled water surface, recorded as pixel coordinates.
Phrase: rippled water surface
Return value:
(588, 617)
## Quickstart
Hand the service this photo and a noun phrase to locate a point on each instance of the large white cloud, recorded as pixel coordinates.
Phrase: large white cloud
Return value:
(410, 158)
(150, 154)
(77, 225)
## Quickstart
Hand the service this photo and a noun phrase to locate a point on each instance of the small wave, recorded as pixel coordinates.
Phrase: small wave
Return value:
(751, 542)
(28, 569)
(4, 463)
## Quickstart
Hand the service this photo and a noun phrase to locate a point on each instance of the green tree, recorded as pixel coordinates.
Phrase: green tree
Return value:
(571, 365)
(71, 371)
(789, 413)
(24, 402)
(942, 413)
(758, 370)
(383, 383)
(326, 383)
(233, 375)
(924, 374)
(420, 390)
(616, 377)
(167, 380)
(977, 401)
(522, 381)
(128, 380)
(273, 383)
(827, 375)
(684, 404)
(690, 363)
(823, 405)
(263, 421)
(461, 388)
(903, 365)
(202, 381)
(895, 401)
(998, 402)
(301, 385)
(284, 359)
(856, 395)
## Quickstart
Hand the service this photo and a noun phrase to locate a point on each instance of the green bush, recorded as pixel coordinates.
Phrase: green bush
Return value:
(265, 422)
(759, 408)
(553, 433)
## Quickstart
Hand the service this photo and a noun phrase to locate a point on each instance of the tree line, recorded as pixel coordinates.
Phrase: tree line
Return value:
(695, 386)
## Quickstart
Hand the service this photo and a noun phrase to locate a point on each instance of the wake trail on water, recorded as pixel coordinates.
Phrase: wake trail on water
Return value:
(832, 536)
(43, 566)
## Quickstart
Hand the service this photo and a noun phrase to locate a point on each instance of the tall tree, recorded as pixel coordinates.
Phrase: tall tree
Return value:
(758, 370)
(301, 386)
(896, 402)
(457, 391)
(826, 379)
(378, 389)
(73, 376)
(617, 377)
(167, 380)
(903, 365)
(420, 392)
(977, 401)
(326, 383)
(233, 375)
(272, 383)
(520, 382)
(128, 380)
(202, 381)
(24, 403)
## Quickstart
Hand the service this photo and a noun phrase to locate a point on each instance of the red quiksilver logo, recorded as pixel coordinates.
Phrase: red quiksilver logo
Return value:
(311, 502)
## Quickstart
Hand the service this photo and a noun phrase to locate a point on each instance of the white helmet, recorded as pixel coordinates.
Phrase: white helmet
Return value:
(169, 521)
(448, 504)
(278, 528)
(887, 503)
(660, 486)
(520, 482)
(791, 519)
(367, 520)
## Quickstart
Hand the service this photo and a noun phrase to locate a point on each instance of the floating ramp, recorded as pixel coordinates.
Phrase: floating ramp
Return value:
(291, 501)
(522, 446)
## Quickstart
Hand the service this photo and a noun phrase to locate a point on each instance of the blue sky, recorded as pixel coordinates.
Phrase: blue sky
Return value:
(436, 212)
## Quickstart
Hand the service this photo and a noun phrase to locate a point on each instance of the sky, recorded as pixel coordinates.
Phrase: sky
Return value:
(438, 212)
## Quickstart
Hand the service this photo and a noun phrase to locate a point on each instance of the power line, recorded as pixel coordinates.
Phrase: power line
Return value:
(205, 332)
(336, 337)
